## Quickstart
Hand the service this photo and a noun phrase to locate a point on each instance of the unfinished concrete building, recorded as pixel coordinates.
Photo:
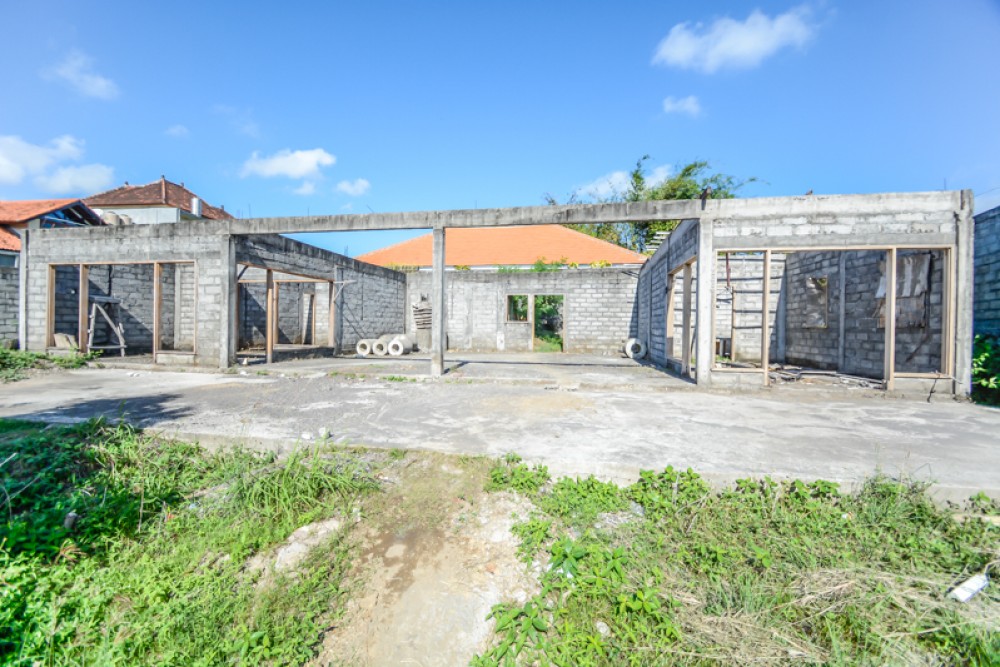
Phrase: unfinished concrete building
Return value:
(873, 285)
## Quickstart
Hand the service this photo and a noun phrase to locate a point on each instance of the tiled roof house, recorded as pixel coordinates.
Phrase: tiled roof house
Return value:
(490, 247)
(156, 202)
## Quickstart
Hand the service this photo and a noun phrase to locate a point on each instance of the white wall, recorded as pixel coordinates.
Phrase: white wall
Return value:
(146, 215)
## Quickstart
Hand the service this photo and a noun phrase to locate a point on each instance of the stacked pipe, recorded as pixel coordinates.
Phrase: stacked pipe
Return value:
(395, 345)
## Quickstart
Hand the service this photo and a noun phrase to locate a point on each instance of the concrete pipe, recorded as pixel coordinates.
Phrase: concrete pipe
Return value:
(364, 346)
(381, 346)
(400, 345)
(635, 348)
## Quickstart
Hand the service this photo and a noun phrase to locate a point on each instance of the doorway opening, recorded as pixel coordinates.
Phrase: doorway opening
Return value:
(548, 325)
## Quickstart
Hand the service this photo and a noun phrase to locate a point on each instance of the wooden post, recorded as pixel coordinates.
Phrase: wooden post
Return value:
(269, 302)
(668, 326)
(157, 307)
(890, 320)
(50, 309)
(330, 315)
(948, 313)
(686, 322)
(439, 320)
(83, 324)
(765, 324)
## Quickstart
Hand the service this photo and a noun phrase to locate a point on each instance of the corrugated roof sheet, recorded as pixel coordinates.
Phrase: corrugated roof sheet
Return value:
(17, 212)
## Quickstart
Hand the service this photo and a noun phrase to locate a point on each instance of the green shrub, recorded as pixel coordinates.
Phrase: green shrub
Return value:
(986, 370)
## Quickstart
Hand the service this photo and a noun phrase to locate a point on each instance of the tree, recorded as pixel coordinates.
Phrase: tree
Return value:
(689, 182)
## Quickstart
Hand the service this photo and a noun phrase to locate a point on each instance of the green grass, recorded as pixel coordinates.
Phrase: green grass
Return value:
(154, 571)
(669, 572)
(14, 363)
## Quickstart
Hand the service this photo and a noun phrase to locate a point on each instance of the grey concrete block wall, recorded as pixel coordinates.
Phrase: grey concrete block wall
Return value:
(201, 243)
(987, 273)
(10, 285)
(598, 307)
(371, 298)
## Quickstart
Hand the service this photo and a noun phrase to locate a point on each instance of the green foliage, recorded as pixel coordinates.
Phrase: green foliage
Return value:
(986, 370)
(13, 363)
(510, 474)
(154, 570)
(542, 266)
(517, 308)
(509, 269)
(687, 182)
(845, 579)
(581, 501)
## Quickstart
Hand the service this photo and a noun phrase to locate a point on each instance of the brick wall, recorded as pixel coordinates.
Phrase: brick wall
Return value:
(598, 307)
(201, 243)
(10, 282)
(987, 273)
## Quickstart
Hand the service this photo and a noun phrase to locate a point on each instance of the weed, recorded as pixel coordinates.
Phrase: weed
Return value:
(153, 570)
(745, 574)
(398, 378)
(511, 474)
(397, 454)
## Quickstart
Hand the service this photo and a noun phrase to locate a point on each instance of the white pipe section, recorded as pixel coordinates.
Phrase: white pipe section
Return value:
(364, 347)
(635, 348)
(381, 346)
(400, 345)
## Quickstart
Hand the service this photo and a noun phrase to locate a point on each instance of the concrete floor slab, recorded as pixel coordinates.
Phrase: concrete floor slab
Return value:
(601, 416)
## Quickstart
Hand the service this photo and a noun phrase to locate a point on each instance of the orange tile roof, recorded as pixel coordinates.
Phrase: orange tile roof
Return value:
(157, 193)
(9, 240)
(505, 246)
(17, 212)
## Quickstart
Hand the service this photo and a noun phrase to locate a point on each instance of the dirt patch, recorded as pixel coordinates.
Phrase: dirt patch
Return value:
(436, 561)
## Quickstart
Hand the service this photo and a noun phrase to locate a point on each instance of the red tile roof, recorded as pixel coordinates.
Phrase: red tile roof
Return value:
(9, 240)
(157, 193)
(505, 246)
(18, 212)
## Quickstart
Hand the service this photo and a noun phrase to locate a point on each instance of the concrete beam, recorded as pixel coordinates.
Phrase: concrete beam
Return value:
(439, 319)
(480, 217)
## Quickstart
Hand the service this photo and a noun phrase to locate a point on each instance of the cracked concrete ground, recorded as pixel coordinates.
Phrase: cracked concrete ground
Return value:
(582, 415)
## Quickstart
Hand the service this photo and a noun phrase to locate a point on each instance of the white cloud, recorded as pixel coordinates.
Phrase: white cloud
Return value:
(77, 70)
(355, 188)
(728, 43)
(177, 131)
(307, 188)
(605, 187)
(82, 180)
(659, 174)
(613, 185)
(288, 163)
(688, 105)
(19, 158)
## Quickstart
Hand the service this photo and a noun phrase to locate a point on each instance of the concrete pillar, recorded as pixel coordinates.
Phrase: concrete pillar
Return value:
(22, 306)
(230, 319)
(704, 348)
(963, 305)
(439, 319)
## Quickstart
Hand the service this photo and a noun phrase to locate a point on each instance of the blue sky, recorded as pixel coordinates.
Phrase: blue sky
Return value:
(295, 108)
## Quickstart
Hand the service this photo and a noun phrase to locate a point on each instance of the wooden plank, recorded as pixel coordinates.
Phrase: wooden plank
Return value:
(686, 322)
(890, 319)
(82, 320)
(269, 303)
(948, 312)
(157, 307)
(765, 324)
